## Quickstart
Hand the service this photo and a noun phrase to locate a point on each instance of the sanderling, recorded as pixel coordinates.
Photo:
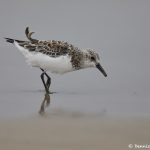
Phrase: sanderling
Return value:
(55, 56)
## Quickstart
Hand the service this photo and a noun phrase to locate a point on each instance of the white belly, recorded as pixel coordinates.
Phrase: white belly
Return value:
(58, 65)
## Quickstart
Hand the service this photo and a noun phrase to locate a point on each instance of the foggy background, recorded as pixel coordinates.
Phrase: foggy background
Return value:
(118, 30)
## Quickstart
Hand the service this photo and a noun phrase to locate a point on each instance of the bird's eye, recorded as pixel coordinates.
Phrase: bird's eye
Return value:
(92, 58)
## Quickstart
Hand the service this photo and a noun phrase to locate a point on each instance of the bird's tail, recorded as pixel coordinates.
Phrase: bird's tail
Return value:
(28, 34)
(9, 40)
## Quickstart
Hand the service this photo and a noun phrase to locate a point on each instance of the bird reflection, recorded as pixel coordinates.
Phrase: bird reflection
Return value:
(45, 103)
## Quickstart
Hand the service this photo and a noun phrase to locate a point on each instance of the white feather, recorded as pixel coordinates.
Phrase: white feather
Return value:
(58, 65)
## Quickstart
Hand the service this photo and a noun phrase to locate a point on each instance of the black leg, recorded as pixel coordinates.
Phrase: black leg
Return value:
(48, 82)
(42, 77)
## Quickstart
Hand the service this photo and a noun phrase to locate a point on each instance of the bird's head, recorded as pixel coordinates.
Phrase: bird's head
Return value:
(92, 59)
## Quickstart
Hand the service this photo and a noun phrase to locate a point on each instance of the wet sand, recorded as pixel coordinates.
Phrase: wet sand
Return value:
(58, 132)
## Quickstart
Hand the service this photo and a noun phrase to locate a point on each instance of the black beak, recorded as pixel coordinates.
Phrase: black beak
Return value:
(100, 68)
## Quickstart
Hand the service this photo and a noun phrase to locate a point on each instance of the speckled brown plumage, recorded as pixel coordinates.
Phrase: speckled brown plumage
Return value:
(53, 48)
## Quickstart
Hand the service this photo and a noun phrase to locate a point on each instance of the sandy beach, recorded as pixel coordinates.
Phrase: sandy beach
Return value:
(73, 133)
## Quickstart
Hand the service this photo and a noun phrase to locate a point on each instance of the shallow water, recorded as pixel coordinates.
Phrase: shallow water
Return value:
(23, 103)
(118, 31)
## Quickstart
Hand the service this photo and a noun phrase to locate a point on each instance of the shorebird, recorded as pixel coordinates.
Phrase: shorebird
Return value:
(55, 56)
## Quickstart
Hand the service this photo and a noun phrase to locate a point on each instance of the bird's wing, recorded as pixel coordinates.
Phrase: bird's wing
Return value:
(52, 48)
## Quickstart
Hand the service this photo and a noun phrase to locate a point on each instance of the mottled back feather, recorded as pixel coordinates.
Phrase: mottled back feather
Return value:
(52, 48)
